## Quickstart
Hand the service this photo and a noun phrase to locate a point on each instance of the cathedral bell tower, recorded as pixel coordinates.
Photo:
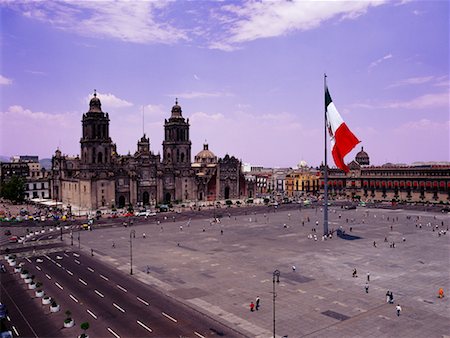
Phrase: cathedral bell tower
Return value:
(95, 142)
(176, 144)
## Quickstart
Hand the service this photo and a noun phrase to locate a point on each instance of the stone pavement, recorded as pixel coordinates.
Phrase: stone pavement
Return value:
(220, 274)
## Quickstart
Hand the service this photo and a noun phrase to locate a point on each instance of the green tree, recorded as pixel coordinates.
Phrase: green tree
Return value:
(14, 189)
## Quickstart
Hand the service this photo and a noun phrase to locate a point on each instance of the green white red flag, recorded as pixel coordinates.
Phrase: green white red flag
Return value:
(341, 138)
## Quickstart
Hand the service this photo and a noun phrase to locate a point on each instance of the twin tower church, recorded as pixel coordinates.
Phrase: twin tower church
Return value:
(100, 177)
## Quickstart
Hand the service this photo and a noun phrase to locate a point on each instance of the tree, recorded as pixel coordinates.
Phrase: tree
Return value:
(14, 189)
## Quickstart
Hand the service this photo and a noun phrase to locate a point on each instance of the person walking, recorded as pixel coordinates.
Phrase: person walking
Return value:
(252, 306)
(258, 300)
(368, 276)
(399, 309)
(354, 273)
(143, 235)
(366, 287)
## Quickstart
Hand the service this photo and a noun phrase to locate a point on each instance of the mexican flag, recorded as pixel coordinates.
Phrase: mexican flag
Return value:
(341, 138)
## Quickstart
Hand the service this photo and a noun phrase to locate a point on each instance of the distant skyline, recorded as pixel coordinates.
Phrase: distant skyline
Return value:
(247, 74)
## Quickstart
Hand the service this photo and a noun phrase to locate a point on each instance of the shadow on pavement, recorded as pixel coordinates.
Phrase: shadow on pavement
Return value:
(343, 235)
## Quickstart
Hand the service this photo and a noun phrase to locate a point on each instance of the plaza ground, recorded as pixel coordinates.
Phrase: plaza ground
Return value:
(220, 274)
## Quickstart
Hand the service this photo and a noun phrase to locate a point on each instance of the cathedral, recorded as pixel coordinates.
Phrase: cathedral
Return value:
(99, 177)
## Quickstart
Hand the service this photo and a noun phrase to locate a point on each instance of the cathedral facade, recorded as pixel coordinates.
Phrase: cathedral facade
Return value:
(100, 177)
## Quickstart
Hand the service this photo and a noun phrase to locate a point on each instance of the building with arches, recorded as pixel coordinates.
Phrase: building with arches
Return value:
(100, 177)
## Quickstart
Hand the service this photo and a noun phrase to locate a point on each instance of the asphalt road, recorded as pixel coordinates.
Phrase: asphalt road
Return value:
(114, 304)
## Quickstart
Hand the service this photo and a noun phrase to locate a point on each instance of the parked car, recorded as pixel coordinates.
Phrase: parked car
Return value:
(13, 239)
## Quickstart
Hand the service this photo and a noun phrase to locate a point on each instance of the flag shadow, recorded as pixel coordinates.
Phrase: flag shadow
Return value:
(343, 235)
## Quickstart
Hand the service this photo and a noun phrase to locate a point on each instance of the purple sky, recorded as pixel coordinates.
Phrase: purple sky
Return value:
(248, 75)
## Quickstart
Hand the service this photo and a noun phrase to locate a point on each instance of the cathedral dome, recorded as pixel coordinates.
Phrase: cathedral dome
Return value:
(176, 110)
(362, 157)
(205, 156)
(302, 164)
(95, 106)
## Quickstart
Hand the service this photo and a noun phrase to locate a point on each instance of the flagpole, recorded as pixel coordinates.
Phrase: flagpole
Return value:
(325, 204)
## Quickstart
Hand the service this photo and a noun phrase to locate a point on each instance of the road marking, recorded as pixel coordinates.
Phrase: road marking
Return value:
(122, 288)
(7, 317)
(144, 326)
(199, 335)
(105, 278)
(169, 317)
(118, 307)
(48, 276)
(76, 255)
(28, 259)
(59, 265)
(15, 330)
(37, 267)
(77, 261)
(82, 281)
(46, 256)
(99, 293)
(143, 301)
(66, 254)
(74, 299)
(56, 283)
(115, 334)
(91, 313)
(90, 269)
(69, 272)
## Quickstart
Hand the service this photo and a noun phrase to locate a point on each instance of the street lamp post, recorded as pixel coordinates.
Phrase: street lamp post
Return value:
(61, 232)
(275, 278)
(71, 238)
(132, 235)
(79, 245)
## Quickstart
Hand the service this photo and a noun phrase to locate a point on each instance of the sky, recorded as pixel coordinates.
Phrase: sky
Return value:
(249, 75)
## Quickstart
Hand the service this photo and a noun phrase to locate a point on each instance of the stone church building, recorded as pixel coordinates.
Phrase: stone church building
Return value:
(100, 177)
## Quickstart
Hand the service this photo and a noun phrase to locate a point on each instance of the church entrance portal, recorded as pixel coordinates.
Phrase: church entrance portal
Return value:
(145, 198)
(227, 193)
(121, 201)
(168, 198)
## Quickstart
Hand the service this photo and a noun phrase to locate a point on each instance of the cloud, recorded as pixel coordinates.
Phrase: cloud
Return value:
(264, 19)
(35, 72)
(109, 101)
(434, 100)
(196, 95)
(5, 81)
(40, 132)
(411, 81)
(137, 21)
(18, 112)
(380, 60)
(424, 125)
(201, 116)
(196, 77)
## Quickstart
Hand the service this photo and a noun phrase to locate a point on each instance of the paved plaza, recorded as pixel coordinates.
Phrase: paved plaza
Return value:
(221, 273)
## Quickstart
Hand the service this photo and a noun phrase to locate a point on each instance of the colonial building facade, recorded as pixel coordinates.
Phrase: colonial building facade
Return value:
(407, 183)
(103, 178)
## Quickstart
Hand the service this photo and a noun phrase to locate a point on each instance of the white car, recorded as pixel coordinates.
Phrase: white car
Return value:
(145, 213)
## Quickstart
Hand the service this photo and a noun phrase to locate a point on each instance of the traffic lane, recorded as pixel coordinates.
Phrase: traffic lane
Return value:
(163, 304)
(109, 304)
(54, 287)
(108, 288)
(26, 313)
(160, 305)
